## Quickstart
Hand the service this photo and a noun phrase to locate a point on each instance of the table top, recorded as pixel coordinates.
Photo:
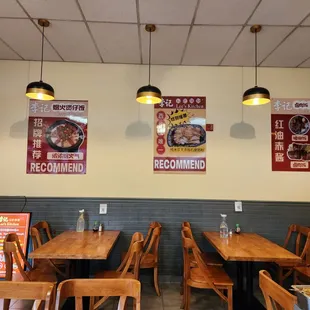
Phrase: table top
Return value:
(250, 247)
(78, 245)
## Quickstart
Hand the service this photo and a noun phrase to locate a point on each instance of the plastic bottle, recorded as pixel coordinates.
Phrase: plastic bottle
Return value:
(223, 227)
(100, 228)
(80, 225)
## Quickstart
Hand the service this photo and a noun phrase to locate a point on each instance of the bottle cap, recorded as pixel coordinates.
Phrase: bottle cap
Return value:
(81, 211)
(224, 215)
(237, 225)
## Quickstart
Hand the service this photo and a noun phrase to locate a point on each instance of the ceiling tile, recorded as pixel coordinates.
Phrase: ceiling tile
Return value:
(281, 12)
(242, 52)
(25, 39)
(6, 52)
(10, 8)
(289, 54)
(72, 41)
(223, 12)
(208, 44)
(53, 9)
(168, 43)
(118, 43)
(167, 11)
(110, 11)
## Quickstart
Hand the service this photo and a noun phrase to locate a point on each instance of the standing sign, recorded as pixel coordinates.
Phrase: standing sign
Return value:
(57, 137)
(17, 223)
(290, 124)
(180, 135)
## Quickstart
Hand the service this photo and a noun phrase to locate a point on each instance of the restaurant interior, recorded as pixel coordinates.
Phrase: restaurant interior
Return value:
(116, 191)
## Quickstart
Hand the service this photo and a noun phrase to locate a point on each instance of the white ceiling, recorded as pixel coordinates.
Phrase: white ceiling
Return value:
(189, 32)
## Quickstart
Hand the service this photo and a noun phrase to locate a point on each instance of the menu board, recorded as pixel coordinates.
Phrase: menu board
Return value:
(17, 223)
(180, 135)
(57, 137)
(290, 124)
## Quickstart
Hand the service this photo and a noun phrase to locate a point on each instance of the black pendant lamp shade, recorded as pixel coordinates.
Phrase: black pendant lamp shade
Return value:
(149, 94)
(256, 95)
(40, 90)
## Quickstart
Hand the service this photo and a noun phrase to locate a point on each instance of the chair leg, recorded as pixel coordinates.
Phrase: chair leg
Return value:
(230, 298)
(6, 304)
(280, 275)
(182, 286)
(187, 297)
(156, 281)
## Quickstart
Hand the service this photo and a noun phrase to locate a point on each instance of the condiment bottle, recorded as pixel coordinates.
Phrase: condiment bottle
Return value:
(100, 227)
(238, 229)
(95, 227)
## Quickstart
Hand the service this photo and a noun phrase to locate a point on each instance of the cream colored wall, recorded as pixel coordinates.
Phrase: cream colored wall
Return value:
(121, 166)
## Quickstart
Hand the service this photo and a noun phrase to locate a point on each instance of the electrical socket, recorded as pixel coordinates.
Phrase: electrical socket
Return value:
(103, 208)
(238, 206)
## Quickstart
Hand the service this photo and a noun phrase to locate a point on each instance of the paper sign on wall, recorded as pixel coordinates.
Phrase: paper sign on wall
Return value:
(57, 137)
(290, 124)
(180, 135)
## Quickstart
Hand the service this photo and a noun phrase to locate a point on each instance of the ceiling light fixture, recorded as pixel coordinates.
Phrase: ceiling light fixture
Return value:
(40, 90)
(149, 94)
(256, 95)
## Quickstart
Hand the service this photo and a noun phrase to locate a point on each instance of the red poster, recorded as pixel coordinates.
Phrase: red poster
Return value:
(57, 137)
(17, 223)
(290, 124)
(180, 135)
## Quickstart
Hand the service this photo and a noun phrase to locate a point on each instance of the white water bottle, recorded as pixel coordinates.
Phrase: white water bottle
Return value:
(223, 227)
(80, 225)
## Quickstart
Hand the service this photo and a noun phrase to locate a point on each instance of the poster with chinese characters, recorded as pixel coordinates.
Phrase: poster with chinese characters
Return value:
(57, 137)
(290, 124)
(17, 223)
(180, 135)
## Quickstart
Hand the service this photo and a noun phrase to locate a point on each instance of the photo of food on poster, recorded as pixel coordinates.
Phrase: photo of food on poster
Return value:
(290, 124)
(180, 135)
(57, 137)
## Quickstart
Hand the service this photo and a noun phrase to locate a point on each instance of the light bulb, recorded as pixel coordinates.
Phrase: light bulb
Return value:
(40, 96)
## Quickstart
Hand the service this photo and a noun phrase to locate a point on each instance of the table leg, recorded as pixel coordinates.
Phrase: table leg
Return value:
(249, 282)
(239, 278)
(83, 272)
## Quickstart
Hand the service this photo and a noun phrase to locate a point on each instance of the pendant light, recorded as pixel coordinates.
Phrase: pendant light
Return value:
(256, 95)
(149, 94)
(40, 90)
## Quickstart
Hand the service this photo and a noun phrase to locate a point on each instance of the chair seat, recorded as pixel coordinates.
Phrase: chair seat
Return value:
(305, 271)
(218, 276)
(112, 274)
(210, 259)
(37, 275)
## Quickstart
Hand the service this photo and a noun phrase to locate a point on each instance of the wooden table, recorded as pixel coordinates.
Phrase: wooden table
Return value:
(78, 245)
(249, 248)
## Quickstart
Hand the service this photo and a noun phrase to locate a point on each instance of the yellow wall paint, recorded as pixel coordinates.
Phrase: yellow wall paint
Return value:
(120, 166)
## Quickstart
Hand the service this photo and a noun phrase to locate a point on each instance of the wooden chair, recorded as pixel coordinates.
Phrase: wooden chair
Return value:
(37, 241)
(99, 287)
(203, 276)
(284, 271)
(210, 258)
(276, 297)
(150, 255)
(302, 274)
(129, 267)
(40, 292)
(12, 250)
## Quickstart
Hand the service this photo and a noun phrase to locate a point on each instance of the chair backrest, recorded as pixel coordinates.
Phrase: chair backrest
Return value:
(301, 248)
(153, 225)
(13, 251)
(133, 256)
(39, 291)
(186, 224)
(99, 287)
(153, 244)
(276, 297)
(189, 234)
(36, 236)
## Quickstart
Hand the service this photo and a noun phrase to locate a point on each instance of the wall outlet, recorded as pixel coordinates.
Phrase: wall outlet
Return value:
(103, 208)
(238, 206)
